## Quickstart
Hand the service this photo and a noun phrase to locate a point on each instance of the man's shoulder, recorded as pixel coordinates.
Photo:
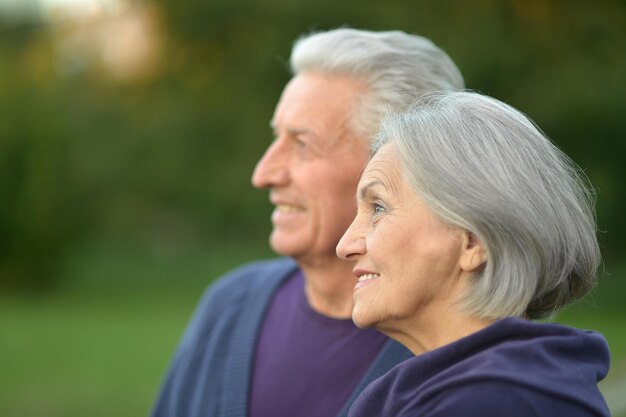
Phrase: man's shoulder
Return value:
(247, 285)
(250, 277)
(257, 273)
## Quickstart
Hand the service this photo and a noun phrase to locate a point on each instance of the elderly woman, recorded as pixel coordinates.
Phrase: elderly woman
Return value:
(470, 224)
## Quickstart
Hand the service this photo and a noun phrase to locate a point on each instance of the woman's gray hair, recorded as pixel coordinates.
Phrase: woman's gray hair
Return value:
(397, 68)
(481, 165)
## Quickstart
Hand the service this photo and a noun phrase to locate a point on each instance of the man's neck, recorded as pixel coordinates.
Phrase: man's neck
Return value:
(328, 288)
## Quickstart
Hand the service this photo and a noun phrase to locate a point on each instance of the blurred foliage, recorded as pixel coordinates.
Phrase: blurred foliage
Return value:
(123, 190)
(164, 158)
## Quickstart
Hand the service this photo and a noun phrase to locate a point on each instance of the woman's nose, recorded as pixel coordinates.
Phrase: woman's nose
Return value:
(351, 246)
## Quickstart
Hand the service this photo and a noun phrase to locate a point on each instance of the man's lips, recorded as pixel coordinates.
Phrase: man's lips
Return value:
(284, 204)
(287, 214)
(288, 208)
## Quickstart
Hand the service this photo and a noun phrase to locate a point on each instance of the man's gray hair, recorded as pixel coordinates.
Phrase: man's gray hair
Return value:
(481, 165)
(396, 67)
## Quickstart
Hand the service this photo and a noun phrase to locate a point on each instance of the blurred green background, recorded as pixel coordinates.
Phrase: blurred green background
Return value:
(129, 130)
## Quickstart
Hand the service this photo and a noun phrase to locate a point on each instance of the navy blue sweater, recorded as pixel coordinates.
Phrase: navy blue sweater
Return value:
(210, 374)
(513, 368)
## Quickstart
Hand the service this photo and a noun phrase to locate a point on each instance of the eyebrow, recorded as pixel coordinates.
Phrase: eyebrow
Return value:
(367, 188)
(298, 131)
(294, 130)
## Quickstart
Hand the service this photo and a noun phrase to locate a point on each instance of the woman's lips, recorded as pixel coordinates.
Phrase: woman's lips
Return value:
(366, 279)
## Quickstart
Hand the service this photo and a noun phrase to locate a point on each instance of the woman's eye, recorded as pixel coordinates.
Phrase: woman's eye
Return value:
(378, 209)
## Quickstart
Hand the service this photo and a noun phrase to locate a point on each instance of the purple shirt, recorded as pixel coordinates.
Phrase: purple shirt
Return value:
(307, 364)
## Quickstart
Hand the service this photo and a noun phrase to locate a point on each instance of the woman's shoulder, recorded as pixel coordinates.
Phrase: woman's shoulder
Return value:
(495, 398)
(511, 362)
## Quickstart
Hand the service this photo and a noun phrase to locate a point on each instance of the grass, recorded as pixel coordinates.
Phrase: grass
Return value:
(99, 345)
(78, 354)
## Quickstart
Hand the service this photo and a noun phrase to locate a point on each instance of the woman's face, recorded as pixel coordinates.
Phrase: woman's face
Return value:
(407, 261)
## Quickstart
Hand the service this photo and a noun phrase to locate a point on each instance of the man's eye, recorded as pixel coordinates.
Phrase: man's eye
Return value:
(378, 208)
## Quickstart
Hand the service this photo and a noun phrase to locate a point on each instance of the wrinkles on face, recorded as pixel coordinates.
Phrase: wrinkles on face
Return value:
(319, 160)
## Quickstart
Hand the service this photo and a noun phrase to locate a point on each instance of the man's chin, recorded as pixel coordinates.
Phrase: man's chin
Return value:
(286, 246)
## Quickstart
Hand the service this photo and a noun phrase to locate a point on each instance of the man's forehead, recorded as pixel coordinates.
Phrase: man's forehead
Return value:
(327, 95)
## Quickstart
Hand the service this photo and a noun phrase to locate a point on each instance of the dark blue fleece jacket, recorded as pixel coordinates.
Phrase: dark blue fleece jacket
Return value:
(513, 368)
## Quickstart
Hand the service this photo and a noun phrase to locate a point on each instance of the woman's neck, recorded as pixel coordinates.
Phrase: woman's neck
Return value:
(423, 335)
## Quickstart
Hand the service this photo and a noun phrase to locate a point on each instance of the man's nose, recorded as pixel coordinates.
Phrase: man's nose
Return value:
(272, 169)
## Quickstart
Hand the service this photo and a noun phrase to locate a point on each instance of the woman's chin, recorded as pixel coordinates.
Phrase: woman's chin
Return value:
(361, 319)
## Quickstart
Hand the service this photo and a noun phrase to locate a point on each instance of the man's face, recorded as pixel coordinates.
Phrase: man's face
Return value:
(313, 166)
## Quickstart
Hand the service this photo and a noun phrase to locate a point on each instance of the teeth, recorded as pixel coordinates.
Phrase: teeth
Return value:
(365, 277)
(287, 208)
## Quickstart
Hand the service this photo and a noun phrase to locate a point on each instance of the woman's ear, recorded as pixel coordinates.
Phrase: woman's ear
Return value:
(473, 253)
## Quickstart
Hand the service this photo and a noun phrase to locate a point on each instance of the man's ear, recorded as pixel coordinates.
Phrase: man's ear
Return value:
(473, 253)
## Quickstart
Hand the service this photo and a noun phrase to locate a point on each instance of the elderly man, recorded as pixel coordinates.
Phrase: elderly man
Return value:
(275, 338)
